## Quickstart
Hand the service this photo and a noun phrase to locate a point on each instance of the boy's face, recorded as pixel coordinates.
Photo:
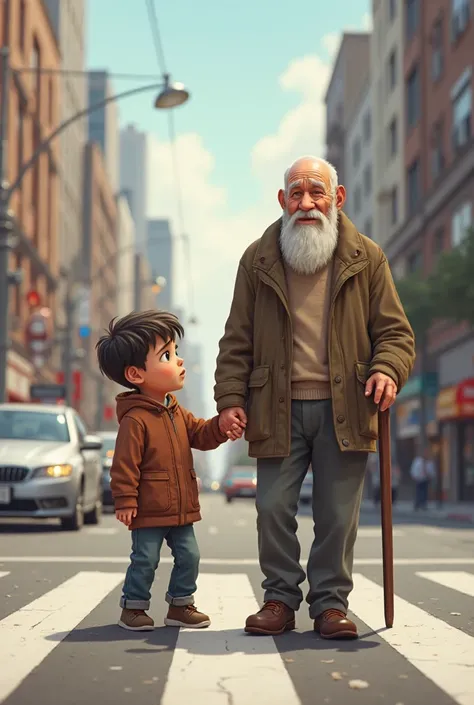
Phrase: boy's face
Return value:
(163, 373)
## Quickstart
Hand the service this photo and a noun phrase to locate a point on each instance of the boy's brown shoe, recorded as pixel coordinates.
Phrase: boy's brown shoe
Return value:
(136, 621)
(186, 616)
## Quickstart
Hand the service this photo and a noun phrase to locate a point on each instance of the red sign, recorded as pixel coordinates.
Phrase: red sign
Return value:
(108, 412)
(456, 402)
(77, 385)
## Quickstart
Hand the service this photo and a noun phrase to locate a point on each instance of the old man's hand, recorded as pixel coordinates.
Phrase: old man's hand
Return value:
(383, 388)
(231, 418)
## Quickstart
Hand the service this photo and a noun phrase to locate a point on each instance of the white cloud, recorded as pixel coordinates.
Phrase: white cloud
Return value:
(218, 235)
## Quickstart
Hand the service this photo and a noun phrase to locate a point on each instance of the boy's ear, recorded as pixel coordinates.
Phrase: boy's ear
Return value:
(134, 375)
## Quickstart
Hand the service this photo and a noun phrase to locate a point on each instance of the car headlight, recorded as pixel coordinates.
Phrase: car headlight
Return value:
(53, 471)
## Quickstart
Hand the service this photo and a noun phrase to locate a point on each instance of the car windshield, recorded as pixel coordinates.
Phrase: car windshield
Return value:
(33, 426)
(244, 474)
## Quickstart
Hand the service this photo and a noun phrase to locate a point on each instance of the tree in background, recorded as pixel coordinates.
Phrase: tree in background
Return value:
(453, 285)
(416, 295)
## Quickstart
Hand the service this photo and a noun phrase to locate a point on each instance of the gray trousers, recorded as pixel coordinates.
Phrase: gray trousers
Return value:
(338, 480)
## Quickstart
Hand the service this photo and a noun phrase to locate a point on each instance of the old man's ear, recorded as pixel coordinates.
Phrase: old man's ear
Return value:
(340, 196)
(282, 199)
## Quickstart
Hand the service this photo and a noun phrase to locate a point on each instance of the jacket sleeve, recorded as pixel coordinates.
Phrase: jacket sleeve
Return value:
(125, 470)
(393, 340)
(203, 435)
(235, 358)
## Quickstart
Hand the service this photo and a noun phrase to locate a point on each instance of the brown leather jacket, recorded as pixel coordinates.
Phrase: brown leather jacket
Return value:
(153, 468)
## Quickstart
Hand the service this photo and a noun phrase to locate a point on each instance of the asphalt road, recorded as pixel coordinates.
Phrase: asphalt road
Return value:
(59, 643)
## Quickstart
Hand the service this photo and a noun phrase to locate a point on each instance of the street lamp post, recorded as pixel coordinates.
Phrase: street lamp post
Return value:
(170, 96)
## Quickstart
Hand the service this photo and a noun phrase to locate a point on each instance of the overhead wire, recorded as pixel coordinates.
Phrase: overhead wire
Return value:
(160, 55)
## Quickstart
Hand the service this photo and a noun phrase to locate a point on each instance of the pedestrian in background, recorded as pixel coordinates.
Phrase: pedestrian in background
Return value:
(422, 471)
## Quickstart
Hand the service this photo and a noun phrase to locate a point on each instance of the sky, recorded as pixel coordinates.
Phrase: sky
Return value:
(257, 77)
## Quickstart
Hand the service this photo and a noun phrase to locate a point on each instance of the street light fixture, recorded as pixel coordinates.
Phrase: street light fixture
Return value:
(171, 96)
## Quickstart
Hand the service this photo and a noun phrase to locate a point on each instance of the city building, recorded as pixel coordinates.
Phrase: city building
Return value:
(68, 21)
(349, 76)
(438, 164)
(33, 102)
(358, 160)
(160, 257)
(104, 124)
(133, 179)
(388, 118)
(144, 296)
(125, 257)
(99, 270)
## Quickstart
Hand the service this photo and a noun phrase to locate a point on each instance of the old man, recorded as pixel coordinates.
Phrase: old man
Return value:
(315, 343)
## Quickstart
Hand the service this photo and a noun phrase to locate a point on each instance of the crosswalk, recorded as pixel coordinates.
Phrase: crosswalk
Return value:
(222, 665)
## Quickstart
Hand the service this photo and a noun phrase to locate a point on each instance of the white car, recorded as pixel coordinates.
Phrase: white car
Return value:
(49, 465)
(306, 493)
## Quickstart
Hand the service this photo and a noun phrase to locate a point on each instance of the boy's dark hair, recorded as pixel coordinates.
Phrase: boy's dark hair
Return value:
(128, 341)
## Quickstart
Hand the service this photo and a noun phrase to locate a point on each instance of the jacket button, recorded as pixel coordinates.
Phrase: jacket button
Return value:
(345, 443)
(262, 259)
(337, 379)
(282, 399)
(282, 367)
(341, 418)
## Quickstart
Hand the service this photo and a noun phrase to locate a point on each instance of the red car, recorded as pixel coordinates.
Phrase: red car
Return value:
(240, 481)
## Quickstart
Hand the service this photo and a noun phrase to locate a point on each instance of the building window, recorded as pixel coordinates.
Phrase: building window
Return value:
(367, 127)
(460, 224)
(392, 70)
(356, 153)
(411, 9)
(394, 206)
(368, 180)
(414, 262)
(393, 138)
(437, 50)
(392, 9)
(357, 200)
(413, 97)
(460, 16)
(368, 228)
(462, 111)
(437, 151)
(413, 187)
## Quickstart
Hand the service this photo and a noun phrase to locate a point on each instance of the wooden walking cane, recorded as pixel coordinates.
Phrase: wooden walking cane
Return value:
(386, 513)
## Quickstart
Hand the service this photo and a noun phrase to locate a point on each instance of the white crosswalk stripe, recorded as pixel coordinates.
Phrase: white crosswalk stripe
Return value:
(243, 670)
(456, 580)
(25, 636)
(221, 664)
(441, 652)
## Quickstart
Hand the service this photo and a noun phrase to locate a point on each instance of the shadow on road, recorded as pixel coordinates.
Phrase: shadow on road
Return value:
(204, 642)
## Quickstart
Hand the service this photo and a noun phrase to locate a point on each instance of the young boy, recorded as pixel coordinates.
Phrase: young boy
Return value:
(153, 482)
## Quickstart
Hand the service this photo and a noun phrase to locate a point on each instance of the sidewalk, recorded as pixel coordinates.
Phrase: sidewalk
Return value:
(462, 512)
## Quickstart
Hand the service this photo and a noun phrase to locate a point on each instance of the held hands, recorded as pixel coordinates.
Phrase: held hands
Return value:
(384, 388)
(125, 515)
(232, 422)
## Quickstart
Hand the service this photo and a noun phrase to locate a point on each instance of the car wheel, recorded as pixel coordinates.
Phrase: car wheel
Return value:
(228, 500)
(95, 515)
(76, 521)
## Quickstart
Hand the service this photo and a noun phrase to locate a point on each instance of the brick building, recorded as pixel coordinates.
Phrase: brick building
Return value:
(33, 114)
(99, 271)
(438, 51)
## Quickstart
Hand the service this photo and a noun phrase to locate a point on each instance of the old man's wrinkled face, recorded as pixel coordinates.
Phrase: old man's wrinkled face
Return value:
(310, 217)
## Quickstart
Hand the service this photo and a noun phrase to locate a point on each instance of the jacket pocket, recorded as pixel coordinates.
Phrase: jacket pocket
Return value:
(154, 493)
(194, 490)
(259, 405)
(366, 407)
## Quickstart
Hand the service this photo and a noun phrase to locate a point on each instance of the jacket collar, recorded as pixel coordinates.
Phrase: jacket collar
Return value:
(350, 252)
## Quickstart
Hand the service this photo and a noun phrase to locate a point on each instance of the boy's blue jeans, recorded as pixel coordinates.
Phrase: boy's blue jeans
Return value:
(145, 556)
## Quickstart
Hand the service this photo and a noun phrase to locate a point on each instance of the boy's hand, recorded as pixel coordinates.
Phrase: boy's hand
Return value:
(235, 432)
(126, 515)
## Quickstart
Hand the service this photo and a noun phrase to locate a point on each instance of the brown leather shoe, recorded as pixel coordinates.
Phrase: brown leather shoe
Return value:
(274, 618)
(333, 624)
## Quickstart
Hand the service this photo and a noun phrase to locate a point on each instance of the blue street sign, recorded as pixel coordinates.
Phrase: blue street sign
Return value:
(84, 331)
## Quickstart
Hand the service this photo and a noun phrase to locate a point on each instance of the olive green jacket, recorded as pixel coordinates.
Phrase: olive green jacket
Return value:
(368, 332)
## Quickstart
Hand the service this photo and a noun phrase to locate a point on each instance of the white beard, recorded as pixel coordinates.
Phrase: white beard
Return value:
(309, 248)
